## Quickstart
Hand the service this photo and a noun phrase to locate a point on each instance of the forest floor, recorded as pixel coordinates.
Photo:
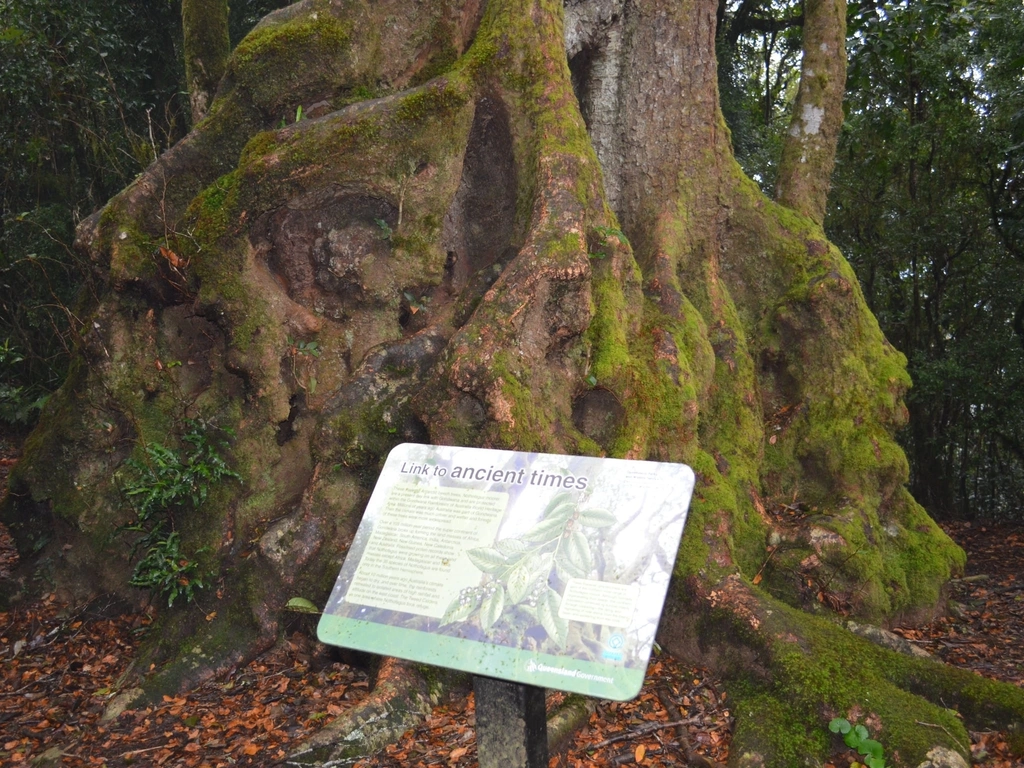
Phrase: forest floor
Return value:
(61, 665)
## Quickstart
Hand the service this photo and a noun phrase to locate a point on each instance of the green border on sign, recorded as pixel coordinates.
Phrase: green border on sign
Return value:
(540, 669)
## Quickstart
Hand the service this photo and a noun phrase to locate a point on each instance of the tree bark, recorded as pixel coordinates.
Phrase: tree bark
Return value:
(474, 269)
(207, 47)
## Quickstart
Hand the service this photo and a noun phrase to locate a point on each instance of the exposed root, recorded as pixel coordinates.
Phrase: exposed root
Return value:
(571, 715)
(401, 699)
(789, 673)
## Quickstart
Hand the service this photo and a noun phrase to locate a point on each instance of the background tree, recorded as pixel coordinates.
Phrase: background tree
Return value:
(83, 91)
(204, 26)
(927, 208)
(90, 93)
(759, 48)
(458, 247)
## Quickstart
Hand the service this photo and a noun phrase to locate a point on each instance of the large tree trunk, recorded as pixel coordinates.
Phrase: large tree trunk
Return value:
(475, 268)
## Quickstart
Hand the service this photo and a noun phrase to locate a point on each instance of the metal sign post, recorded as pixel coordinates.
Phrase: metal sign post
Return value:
(511, 724)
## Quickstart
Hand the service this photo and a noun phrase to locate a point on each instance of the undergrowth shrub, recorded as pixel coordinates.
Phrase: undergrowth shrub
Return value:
(164, 483)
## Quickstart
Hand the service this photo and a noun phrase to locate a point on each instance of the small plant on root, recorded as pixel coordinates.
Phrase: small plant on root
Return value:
(166, 481)
(857, 737)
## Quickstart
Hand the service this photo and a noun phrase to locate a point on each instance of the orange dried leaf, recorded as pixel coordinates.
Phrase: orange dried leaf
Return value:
(639, 753)
(172, 258)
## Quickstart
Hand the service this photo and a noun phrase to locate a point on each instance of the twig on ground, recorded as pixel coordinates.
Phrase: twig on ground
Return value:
(135, 752)
(643, 730)
(943, 728)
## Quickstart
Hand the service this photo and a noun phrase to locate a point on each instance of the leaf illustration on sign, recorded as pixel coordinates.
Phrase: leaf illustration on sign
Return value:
(558, 500)
(487, 559)
(462, 606)
(492, 606)
(577, 551)
(548, 528)
(512, 547)
(556, 514)
(519, 581)
(547, 611)
(518, 591)
(597, 518)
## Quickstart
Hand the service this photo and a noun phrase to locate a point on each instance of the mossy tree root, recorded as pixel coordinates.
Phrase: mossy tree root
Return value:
(401, 698)
(789, 673)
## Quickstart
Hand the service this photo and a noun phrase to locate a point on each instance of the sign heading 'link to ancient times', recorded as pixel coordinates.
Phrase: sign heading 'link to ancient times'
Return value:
(540, 569)
(492, 474)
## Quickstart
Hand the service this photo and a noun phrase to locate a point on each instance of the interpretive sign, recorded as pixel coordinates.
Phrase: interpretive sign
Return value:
(536, 568)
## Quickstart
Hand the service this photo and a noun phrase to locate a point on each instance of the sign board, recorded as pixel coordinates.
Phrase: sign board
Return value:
(536, 568)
